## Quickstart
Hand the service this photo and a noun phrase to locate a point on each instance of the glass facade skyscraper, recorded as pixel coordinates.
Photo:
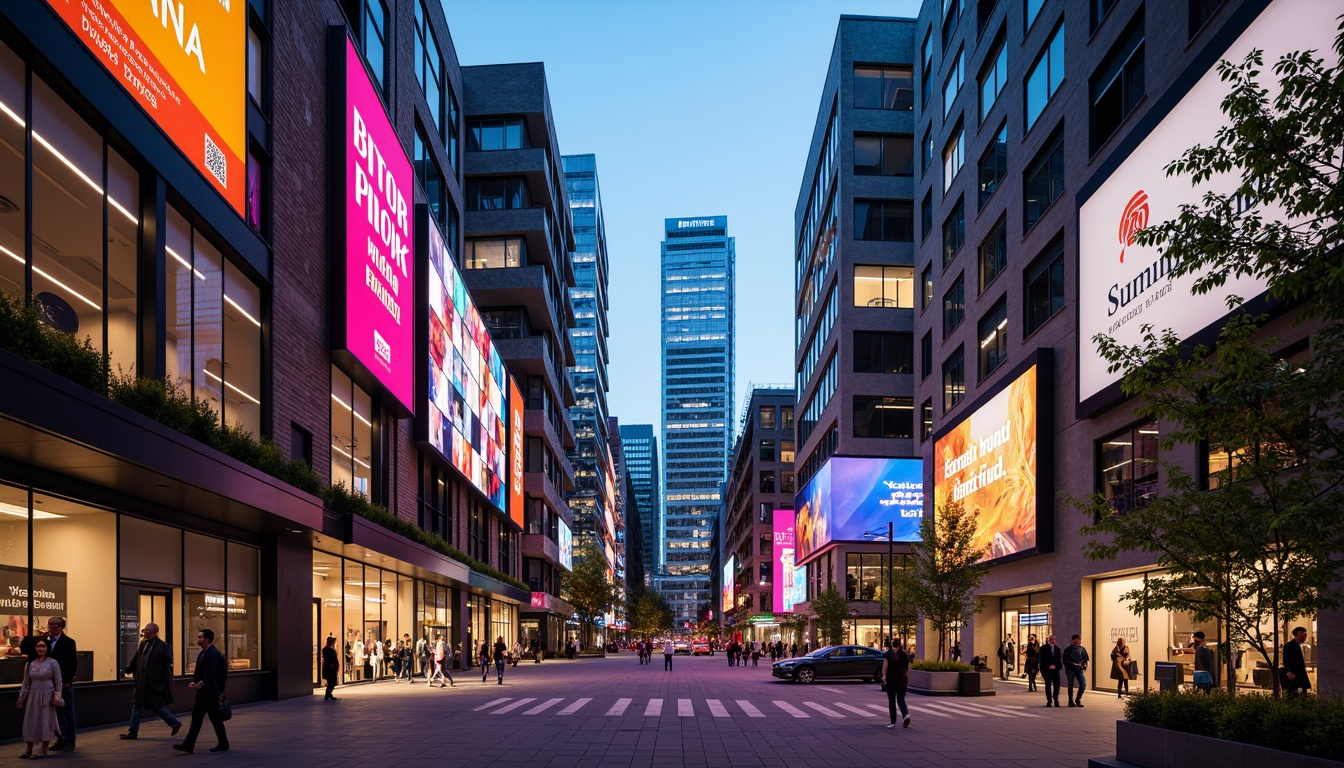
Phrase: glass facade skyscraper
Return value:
(640, 445)
(698, 366)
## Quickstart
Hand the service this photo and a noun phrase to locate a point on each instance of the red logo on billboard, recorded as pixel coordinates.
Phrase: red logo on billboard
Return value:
(1132, 220)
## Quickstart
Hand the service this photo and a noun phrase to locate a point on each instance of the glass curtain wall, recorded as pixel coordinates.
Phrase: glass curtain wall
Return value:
(1025, 615)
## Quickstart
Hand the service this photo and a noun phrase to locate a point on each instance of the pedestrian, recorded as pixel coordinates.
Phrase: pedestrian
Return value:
(208, 682)
(408, 657)
(895, 678)
(152, 666)
(501, 655)
(438, 661)
(517, 654)
(483, 653)
(793, 650)
(1295, 680)
(538, 649)
(668, 650)
(1205, 675)
(331, 668)
(63, 649)
(956, 650)
(39, 699)
(755, 653)
(422, 654)
(1120, 667)
(1075, 669)
(1007, 652)
(398, 653)
(1052, 663)
(376, 656)
(1031, 661)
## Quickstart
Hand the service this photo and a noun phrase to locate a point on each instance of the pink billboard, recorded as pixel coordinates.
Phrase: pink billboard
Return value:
(784, 560)
(379, 238)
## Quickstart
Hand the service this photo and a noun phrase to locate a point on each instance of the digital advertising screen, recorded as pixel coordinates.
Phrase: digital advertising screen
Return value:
(466, 411)
(566, 546)
(378, 251)
(782, 524)
(990, 463)
(797, 591)
(849, 496)
(728, 596)
(516, 466)
(185, 63)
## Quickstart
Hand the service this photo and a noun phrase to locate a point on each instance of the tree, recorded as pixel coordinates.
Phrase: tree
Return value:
(944, 570)
(650, 614)
(832, 610)
(1259, 545)
(903, 614)
(588, 588)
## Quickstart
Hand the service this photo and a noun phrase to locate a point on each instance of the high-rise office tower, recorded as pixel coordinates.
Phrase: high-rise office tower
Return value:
(640, 446)
(698, 362)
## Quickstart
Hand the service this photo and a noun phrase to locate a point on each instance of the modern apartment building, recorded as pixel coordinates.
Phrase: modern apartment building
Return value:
(519, 238)
(628, 571)
(697, 364)
(640, 444)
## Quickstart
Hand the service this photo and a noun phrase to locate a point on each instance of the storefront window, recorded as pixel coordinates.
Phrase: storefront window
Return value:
(327, 580)
(1025, 615)
(203, 603)
(351, 434)
(78, 578)
(504, 622)
(242, 644)
(151, 584)
(13, 130)
(13, 575)
(355, 649)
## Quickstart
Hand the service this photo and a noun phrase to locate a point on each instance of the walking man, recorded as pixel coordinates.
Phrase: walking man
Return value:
(422, 655)
(1075, 666)
(501, 655)
(1007, 653)
(152, 666)
(62, 648)
(1052, 663)
(668, 650)
(331, 667)
(1295, 682)
(1205, 677)
(895, 678)
(208, 682)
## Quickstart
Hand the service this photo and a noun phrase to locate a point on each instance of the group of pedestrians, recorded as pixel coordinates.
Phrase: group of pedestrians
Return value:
(47, 697)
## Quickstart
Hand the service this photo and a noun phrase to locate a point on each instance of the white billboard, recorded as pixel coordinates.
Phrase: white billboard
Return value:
(1122, 287)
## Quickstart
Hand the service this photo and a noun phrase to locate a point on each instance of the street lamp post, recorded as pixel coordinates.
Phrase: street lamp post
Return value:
(891, 564)
(854, 621)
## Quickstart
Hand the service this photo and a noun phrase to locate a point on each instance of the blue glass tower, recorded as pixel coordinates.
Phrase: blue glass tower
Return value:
(698, 366)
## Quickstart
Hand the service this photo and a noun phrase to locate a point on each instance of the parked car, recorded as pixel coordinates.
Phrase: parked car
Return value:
(701, 645)
(833, 661)
(681, 646)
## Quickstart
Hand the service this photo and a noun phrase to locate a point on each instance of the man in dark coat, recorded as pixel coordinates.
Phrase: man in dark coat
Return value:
(331, 667)
(208, 682)
(1052, 663)
(1295, 680)
(152, 667)
(62, 648)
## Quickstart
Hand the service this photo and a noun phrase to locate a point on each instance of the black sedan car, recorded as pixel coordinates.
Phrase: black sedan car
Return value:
(833, 661)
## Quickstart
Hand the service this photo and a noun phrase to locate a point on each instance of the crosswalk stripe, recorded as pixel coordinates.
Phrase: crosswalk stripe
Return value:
(936, 708)
(995, 709)
(542, 707)
(855, 710)
(618, 708)
(792, 710)
(654, 709)
(831, 690)
(514, 705)
(684, 708)
(716, 708)
(968, 708)
(490, 704)
(918, 710)
(823, 710)
(575, 707)
(749, 708)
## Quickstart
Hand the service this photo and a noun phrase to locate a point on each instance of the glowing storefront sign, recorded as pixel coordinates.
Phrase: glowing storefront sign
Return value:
(782, 524)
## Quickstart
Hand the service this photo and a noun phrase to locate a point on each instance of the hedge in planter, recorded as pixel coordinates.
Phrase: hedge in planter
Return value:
(1307, 725)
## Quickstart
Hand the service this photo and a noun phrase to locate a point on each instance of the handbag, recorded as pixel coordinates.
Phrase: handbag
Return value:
(225, 709)
(1133, 669)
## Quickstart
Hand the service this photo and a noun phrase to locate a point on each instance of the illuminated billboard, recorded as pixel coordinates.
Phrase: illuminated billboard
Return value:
(185, 63)
(797, 591)
(466, 411)
(851, 495)
(991, 462)
(727, 596)
(374, 288)
(1121, 286)
(566, 546)
(515, 454)
(782, 524)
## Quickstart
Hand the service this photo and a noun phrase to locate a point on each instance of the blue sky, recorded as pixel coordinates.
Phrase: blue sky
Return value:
(693, 109)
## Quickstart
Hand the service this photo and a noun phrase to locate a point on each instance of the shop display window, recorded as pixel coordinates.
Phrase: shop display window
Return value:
(77, 579)
(327, 604)
(14, 575)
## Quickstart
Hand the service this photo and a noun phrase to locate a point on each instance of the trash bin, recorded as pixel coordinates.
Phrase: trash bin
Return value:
(1169, 675)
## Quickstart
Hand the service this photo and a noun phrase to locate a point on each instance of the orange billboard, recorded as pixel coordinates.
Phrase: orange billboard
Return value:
(516, 466)
(185, 62)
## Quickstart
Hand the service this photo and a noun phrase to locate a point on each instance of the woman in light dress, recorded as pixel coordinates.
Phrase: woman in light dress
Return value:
(38, 698)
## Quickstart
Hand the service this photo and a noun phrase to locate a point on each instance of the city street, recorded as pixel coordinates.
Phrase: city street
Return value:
(614, 712)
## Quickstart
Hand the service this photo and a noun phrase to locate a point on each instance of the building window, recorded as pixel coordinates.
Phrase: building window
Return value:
(926, 356)
(883, 87)
(926, 420)
(885, 220)
(256, 189)
(926, 72)
(787, 483)
(955, 78)
(767, 417)
(506, 323)
(1099, 10)
(351, 434)
(926, 215)
(1045, 76)
(494, 253)
(767, 482)
(1043, 182)
(994, 165)
(368, 24)
(888, 417)
(1200, 13)
(786, 452)
(1032, 9)
(951, 13)
(767, 449)
(881, 155)
(954, 306)
(994, 338)
(954, 155)
(431, 180)
(1128, 462)
(786, 418)
(257, 71)
(491, 135)
(428, 63)
(926, 292)
(994, 254)
(883, 352)
(880, 286)
(1043, 284)
(1117, 87)
(954, 232)
(497, 194)
(926, 150)
(453, 131)
(993, 78)
(954, 380)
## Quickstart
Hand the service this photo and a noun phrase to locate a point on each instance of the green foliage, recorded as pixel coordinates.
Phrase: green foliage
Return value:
(1308, 725)
(23, 332)
(587, 587)
(832, 610)
(944, 571)
(941, 666)
(649, 614)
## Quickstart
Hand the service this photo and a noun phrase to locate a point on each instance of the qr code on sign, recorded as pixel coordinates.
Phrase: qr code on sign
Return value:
(216, 163)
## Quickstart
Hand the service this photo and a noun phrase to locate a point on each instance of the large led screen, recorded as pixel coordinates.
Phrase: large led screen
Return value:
(184, 62)
(566, 546)
(727, 597)
(379, 244)
(466, 413)
(797, 591)
(988, 462)
(849, 496)
(784, 565)
(515, 454)
(1122, 287)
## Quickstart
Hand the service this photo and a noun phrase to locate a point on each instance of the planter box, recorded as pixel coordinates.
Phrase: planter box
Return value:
(1152, 747)
(935, 683)
(977, 683)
